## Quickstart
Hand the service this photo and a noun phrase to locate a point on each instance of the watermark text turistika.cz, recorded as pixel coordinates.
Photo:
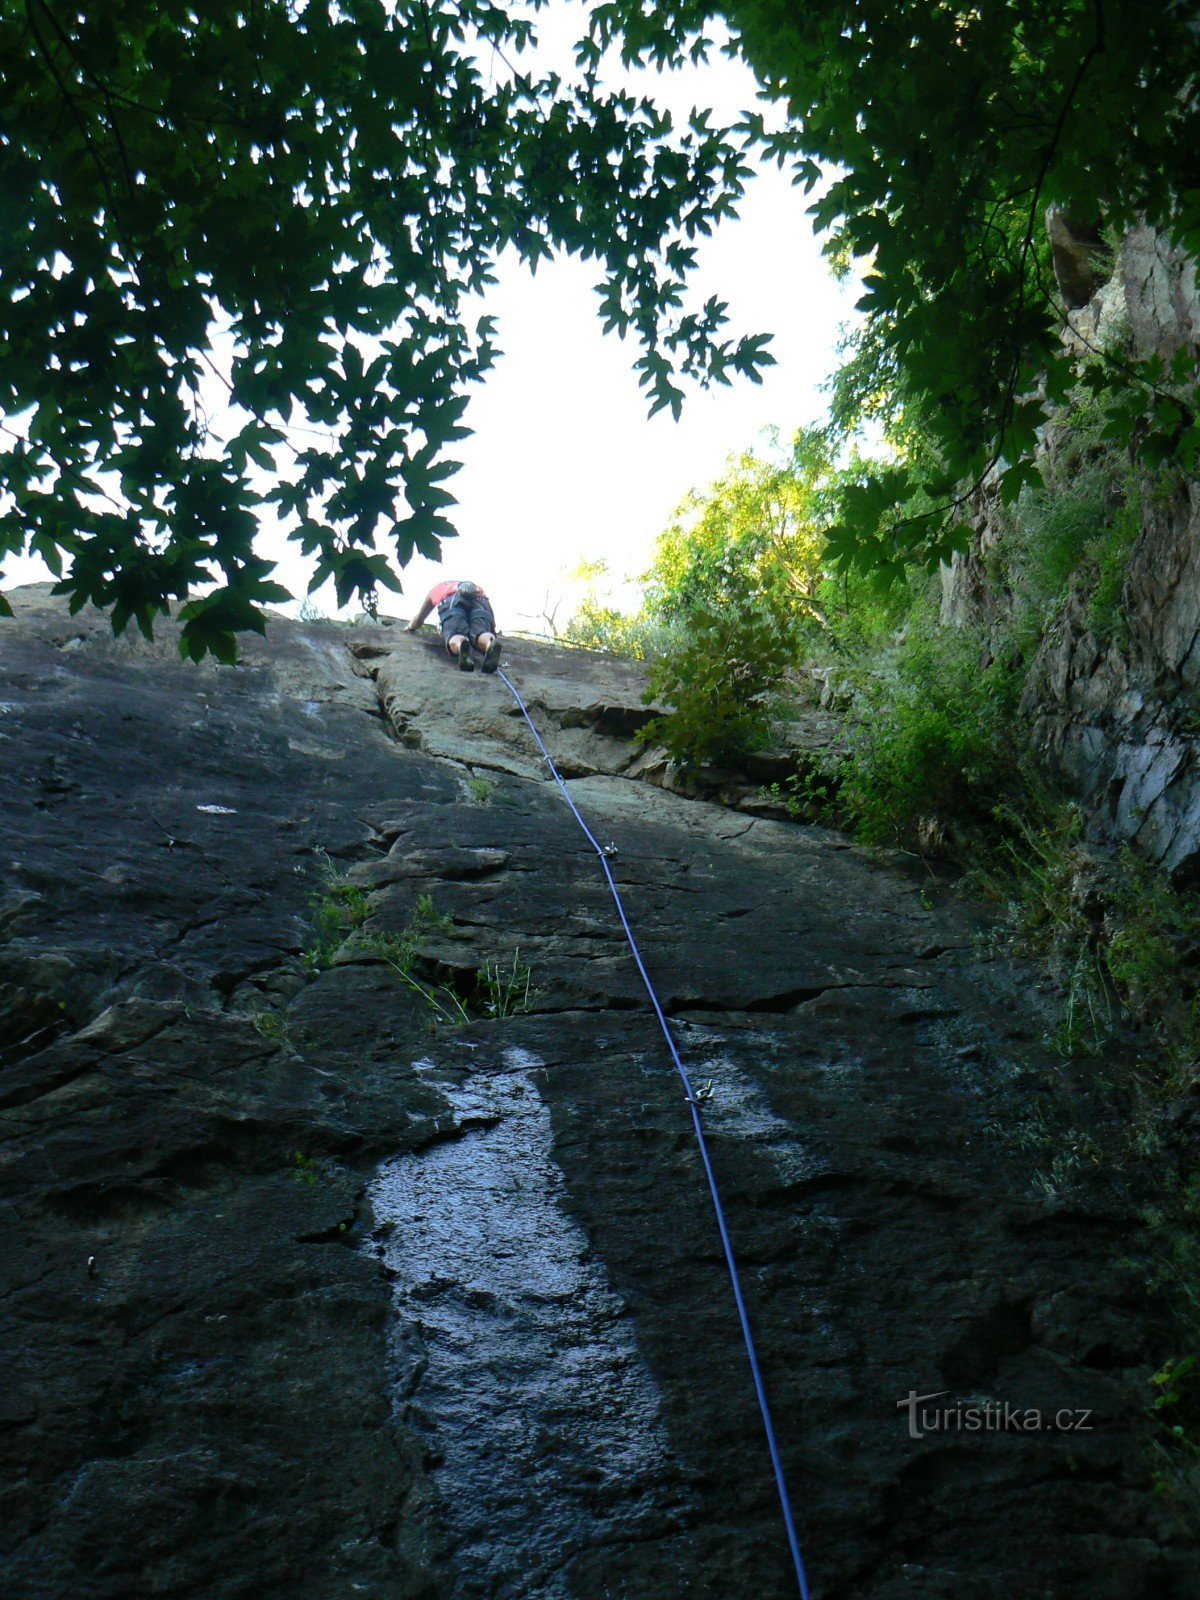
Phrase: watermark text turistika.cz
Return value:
(988, 1416)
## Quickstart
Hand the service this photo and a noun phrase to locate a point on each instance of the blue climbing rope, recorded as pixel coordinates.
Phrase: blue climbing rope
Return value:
(694, 1105)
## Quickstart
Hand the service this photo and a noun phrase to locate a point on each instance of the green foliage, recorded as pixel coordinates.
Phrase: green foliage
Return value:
(507, 989)
(480, 788)
(304, 1169)
(504, 991)
(424, 923)
(1175, 1410)
(859, 617)
(937, 748)
(595, 626)
(402, 953)
(1111, 555)
(1172, 1383)
(1066, 1155)
(1088, 1013)
(337, 908)
(757, 526)
(1074, 530)
(949, 130)
(733, 577)
(332, 183)
(1140, 960)
(270, 1025)
(933, 733)
(1032, 867)
(1049, 531)
(722, 682)
(322, 189)
(1120, 937)
(807, 796)
(1123, 942)
(1151, 940)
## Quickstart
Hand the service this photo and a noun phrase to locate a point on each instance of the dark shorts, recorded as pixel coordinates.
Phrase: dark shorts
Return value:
(456, 616)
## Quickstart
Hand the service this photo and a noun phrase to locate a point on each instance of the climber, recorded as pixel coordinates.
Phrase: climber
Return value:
(466, 618)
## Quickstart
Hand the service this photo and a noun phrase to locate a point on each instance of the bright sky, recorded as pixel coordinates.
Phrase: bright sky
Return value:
(564, 466)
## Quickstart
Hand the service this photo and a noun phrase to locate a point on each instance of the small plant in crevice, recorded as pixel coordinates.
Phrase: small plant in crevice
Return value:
(443, 1000)
(507, 989)
(304, 1169)
(1173, 1380)
(338, 907)
(480, 788)
(1064, 1155)
(1087, 1019)
(270, 1025)
(424, 922)
(1077, 1156)
(401, 952)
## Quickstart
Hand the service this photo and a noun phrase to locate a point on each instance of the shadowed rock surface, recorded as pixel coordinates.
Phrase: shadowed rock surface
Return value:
(382, 1309)
(1115, 718)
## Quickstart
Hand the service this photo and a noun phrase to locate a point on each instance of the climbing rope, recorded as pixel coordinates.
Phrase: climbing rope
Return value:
(694, 1100)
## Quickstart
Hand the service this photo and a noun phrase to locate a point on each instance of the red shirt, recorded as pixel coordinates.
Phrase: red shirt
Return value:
(442, 591)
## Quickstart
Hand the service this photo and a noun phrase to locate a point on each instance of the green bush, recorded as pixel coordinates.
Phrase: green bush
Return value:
(728, 592)
(722, 682)
(731, 586)
(1073, 532)
(337, 908)
(932, 734)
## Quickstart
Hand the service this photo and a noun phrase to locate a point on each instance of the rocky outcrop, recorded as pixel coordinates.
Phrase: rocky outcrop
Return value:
(309, 1294)
(1156, 284)
(1076, 248)
(1119, 721)
(594, 704)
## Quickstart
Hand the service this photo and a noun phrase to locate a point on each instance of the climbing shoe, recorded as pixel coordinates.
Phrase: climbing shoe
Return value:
(491, 656)
(465, 664)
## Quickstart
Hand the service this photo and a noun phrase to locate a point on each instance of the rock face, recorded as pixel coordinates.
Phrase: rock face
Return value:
(593, 705)
(1120, 723)
(1074, 246)
(307, 1293)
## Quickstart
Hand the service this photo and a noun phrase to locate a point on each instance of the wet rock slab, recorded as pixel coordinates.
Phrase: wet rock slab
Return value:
(521, 1361)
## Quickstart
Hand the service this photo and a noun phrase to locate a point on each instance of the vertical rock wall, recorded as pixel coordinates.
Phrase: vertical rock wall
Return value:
(1119, 723)
(305, 1295)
